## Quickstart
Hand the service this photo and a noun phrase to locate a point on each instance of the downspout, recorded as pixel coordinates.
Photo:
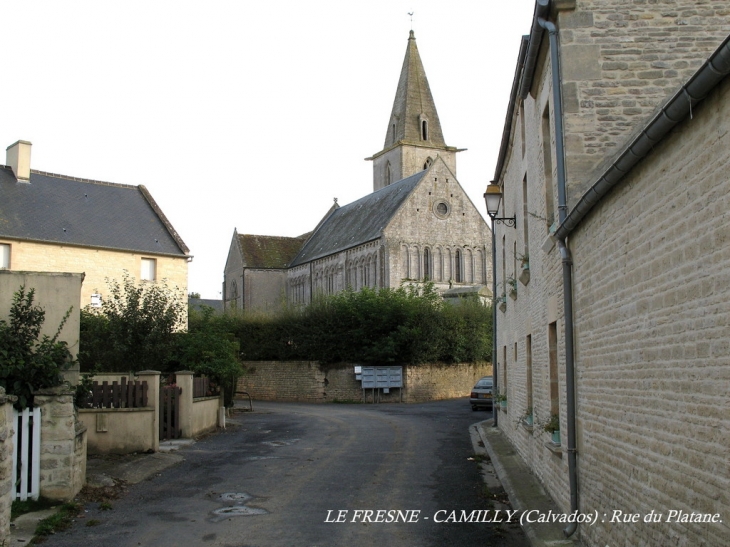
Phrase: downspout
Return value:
(567, 273)
(495, 413)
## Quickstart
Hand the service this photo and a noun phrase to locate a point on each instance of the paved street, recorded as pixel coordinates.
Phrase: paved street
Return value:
(287, 469)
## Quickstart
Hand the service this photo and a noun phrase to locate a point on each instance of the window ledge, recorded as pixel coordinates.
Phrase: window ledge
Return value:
(554, 448)
(527, 427)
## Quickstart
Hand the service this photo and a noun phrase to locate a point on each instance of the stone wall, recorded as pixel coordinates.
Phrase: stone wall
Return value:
(63, 444)
(652, 292)
(56, 293)
(6, 463)
(306, 381)
(650, 270)
(621, 59)
(95, 264)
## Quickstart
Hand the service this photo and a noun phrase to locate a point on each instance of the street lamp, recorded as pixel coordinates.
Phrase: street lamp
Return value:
(493, 197)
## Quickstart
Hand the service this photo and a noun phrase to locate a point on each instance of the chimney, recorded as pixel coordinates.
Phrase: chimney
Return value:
(18, 159)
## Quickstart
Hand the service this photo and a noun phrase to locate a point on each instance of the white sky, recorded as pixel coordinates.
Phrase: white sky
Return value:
(249, 114)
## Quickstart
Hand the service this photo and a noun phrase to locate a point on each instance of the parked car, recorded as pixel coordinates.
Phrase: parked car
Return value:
(481, 394)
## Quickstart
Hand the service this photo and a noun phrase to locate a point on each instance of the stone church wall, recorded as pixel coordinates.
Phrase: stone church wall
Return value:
(306, 381)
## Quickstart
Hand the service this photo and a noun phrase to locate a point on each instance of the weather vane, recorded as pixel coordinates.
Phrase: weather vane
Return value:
(411, 14)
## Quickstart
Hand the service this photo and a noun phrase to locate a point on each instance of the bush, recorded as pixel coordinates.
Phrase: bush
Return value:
(207, 349)
(408, 325)
(28, 363)
(133, 329)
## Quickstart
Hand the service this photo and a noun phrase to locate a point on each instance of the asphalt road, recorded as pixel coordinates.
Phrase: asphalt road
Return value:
(289, 472)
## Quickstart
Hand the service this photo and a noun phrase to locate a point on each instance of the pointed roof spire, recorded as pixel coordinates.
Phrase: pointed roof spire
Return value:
(414, 118)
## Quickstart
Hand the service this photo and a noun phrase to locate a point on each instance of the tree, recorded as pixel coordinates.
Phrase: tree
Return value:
(29, 362)
(133, 329)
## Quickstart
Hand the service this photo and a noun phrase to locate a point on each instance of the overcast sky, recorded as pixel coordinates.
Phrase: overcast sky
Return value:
(251, 115)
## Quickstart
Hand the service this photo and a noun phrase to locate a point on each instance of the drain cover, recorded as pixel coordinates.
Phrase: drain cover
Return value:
(239, 497)
(239, 511)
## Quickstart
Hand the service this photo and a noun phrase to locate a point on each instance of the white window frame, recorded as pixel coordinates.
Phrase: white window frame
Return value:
(95, 300)
(148, 269)
(5, 250)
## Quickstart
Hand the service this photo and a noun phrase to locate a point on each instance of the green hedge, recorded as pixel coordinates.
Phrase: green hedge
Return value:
(407, 325)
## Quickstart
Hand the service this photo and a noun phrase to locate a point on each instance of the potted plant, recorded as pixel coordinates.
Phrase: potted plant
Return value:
(501, 302)
(512, 287)
(527, 417)
(501, 398)
(552, 426)
(524, 276)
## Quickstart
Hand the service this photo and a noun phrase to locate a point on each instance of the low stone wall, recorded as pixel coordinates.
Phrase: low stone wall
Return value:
(63, 444)
(6, 463)
(307, 381)
(127, 430)
(206, 415)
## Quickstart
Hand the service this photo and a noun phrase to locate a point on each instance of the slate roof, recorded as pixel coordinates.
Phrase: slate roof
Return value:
(269, 252)
(358, 222)
(59, 209)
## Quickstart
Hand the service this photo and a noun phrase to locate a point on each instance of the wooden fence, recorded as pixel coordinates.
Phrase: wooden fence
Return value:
(170, 412)
(118, 394)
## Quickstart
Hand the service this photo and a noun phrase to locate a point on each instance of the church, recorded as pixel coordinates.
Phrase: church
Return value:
(418, 224)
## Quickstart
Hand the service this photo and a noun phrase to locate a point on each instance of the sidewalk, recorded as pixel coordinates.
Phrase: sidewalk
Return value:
(106, 472)
(523, 489)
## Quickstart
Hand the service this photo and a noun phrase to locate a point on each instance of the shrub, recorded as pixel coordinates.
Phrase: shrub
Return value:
(29, 362)
(133, 329)
(207, 349)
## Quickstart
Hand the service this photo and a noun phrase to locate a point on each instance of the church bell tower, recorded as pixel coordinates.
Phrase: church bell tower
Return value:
(414, 137)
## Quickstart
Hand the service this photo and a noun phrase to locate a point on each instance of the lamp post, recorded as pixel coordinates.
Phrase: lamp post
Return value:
(493, 197)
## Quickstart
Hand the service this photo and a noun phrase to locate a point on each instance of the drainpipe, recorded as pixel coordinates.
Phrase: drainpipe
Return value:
(567, 272)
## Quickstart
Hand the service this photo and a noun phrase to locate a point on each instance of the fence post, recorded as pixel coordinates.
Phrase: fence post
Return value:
(6, 463)
(152, 377)
(184, 380)
(63, 444)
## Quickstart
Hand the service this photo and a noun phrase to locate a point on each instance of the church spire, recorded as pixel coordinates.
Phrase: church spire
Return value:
(414, 137)
(414, 118)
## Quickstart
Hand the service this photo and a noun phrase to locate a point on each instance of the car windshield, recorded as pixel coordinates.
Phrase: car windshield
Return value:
(484, 384)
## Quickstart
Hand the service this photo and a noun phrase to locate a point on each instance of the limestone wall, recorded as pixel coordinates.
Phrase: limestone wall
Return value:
(6, 463)
(652, 287)
(306, 381)
(95, 264)
(63, 444)
(620, 60)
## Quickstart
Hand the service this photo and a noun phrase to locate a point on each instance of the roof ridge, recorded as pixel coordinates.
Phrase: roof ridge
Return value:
(79, 179)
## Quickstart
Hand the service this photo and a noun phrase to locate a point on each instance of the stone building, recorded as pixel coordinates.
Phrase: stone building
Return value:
(417, 224)
(57, 223)
(614, 162)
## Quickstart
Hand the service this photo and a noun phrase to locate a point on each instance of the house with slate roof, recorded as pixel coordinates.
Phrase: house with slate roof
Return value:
(418, 224)
(57, 223)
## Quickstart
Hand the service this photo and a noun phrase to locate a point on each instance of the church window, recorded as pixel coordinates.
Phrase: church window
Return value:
(424, 130)
(387, 174)
(426, 264)
(441, 209)
(428, 163)
(457, 266)
(393, 129)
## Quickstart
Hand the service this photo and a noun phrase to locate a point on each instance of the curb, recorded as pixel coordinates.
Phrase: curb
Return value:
(522, 487)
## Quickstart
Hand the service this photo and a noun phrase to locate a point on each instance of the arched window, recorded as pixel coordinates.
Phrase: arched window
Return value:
(387, 174)
(426, 264)
(457, 266)
(428, 163)
(424, 130)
